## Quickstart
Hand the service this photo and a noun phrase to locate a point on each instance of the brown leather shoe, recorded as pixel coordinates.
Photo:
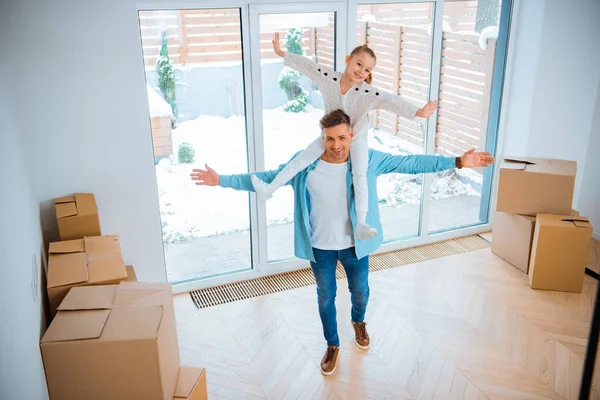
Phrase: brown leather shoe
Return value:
(361, 337)
(329, 360)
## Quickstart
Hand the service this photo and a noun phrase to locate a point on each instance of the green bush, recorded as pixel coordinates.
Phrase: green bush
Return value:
(186, 153)
(297, 98)
(298, 104)
(288, 81)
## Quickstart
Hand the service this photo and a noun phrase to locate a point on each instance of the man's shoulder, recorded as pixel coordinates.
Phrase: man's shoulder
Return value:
(376, 159)
(375, 155)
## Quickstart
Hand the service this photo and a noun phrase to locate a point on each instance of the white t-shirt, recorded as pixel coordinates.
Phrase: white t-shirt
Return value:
(330, 225)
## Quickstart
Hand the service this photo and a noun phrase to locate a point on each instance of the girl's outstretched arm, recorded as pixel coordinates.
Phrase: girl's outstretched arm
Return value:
(404, 108)
(305, 66)
(396, 104)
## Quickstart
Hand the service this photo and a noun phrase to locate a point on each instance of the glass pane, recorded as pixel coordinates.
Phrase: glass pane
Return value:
(468, 49)
(399, 35)
(205, 229)
(290, 123)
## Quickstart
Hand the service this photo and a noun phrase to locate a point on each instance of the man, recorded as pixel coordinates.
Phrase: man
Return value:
(324, 218)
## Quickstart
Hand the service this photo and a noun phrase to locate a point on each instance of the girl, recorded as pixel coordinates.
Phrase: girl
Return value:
(352, 92)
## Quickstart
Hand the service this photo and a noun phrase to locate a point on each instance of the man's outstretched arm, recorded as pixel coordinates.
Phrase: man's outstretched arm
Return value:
(417, 164)
(210, 177)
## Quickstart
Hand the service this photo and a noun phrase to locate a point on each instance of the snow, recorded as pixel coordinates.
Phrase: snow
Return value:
(490, 32)
(368, 17)
(189, 211)
(445, 27)
(283, 22)
(158, 106)
(212, 64)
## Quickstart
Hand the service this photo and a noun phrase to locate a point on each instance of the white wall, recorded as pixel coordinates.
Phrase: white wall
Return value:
(21, 285)
(567, 82)
(524, 44)
(84, 117)
(589, 201)
(83, 111)
(553, 85)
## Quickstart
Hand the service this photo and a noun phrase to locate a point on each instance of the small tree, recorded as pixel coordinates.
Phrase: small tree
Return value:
(166, 75)
(293, 41)
(297, 98)
(487, 14)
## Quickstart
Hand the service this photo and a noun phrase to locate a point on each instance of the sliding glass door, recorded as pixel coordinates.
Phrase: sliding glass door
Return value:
(218, 94)
(402, 41)
(196, 120)
(445, 50)
(291, 104)
(467, 68)
(290, 121)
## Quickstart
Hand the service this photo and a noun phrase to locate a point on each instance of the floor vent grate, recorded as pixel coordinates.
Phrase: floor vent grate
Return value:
(295, 279)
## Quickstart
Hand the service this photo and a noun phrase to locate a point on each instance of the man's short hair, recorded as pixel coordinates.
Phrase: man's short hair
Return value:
(334, 118)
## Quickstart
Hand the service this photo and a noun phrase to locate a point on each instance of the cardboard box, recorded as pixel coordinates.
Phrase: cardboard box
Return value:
(95, 260)
(530, 186)
(559, 253)
(113, 342)
(512, 236)
(131, 276)
(77, 216)
(191, 384)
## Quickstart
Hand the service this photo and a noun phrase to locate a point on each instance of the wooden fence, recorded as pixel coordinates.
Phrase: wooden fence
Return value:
(460, 15)
(324, 43)
(403, 67)
(464, 98)
(403, 49)
(203, 36)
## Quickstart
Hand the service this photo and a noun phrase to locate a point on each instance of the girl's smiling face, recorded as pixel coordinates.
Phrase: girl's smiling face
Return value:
(359, 66)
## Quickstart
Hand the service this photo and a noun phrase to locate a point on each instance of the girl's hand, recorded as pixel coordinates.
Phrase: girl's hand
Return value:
(428, 110)
(276, 46)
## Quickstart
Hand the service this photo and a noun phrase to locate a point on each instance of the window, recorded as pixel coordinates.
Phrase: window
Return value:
(195, 84)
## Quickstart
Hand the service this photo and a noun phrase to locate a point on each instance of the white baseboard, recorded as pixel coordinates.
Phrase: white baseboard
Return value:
(596, 235)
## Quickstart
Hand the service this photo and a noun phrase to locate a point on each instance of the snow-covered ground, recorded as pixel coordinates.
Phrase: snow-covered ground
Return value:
(189, 211)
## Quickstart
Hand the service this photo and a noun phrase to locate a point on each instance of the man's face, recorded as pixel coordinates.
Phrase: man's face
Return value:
(337, 143)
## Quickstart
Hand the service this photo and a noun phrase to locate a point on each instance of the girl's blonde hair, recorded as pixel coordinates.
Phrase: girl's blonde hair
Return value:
(359, 49)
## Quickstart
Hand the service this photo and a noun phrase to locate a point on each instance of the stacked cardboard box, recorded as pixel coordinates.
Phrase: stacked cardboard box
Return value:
(77, 216)
(535, 228)
(111, 337)
(94, 260)
(191, 384)
(117, 342)
(83, 257)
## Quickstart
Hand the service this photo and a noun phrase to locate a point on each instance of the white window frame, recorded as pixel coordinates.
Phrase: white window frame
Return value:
(346, 19)
(339, 7)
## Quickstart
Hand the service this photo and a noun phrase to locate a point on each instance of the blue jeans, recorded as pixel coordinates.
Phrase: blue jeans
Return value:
(357, 272)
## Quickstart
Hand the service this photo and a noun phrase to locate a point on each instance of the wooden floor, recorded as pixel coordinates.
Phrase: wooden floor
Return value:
(461, 327)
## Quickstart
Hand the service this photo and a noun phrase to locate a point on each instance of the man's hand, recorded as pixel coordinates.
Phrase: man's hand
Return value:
(276, 45)
(471, 159)
(208, 177)
(427, 110)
